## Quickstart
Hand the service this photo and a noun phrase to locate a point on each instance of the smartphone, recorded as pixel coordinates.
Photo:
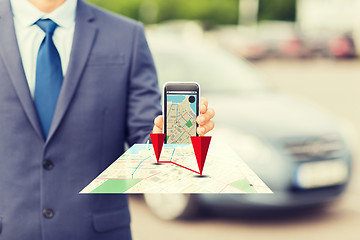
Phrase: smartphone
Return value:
(180, 109)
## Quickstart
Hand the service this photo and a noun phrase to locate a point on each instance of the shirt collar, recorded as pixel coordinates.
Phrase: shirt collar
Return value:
(27, 14)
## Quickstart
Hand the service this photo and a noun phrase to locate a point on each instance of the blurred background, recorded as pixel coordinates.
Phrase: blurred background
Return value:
(284, 79)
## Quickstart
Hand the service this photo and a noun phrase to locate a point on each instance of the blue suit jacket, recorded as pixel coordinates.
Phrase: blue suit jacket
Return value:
(109, 97)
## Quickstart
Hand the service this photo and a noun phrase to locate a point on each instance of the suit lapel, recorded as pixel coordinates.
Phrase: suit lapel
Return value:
(84, 36)
(10, 54)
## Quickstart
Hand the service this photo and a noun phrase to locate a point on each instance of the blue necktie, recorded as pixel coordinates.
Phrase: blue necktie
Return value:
(49, 76)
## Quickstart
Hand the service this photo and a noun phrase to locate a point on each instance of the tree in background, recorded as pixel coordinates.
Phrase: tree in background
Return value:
(209, 11)
(153, 11)
(284, 10)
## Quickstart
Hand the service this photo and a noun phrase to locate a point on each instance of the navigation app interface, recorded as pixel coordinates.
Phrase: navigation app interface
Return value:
(181, 117)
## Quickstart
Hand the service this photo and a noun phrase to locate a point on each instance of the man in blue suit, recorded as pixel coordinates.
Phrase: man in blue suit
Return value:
(76, 84)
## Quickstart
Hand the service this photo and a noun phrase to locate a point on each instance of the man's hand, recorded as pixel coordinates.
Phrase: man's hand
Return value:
(204, 119)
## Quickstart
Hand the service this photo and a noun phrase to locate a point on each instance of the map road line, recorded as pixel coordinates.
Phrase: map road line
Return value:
(141, 163)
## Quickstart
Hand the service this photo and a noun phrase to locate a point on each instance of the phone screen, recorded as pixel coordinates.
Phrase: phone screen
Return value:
(181, 113)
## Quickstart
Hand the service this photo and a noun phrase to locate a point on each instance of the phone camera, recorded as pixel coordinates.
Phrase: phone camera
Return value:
(191, 99)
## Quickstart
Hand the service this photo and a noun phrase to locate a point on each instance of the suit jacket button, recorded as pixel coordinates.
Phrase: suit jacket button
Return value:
(48, 213)
(48, 165)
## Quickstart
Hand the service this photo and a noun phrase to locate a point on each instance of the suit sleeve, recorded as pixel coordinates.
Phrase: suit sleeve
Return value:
(143, 92)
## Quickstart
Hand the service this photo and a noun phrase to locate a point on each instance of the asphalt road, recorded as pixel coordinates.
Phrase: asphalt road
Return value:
(331, 84)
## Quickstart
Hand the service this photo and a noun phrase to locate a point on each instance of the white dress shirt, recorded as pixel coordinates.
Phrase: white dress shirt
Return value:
(30, 36)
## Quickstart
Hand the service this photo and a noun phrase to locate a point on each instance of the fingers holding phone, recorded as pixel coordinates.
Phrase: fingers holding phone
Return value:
(204, 119)
(205, 123)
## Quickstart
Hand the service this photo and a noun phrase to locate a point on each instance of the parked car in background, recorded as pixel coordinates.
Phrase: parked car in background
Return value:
(330, 44)
(342, 46)
(300, 151)
(283, 39)
(268, 39)
(336, 20)
(242, 41)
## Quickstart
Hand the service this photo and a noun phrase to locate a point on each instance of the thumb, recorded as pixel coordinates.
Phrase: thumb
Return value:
(158, 124)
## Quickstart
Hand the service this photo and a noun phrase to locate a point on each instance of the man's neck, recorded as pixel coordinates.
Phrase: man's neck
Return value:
(47, 6)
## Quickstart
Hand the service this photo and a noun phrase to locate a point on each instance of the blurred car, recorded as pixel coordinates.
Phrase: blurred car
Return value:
(282, 39)
(342, 46)
(330, 44)
(335, 24)
(300, 151)
(240, 40)
(268, 39)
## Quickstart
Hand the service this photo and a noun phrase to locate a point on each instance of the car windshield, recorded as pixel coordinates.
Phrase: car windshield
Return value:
(215, 70)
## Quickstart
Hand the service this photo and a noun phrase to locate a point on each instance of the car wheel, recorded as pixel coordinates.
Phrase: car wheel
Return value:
(172, 206)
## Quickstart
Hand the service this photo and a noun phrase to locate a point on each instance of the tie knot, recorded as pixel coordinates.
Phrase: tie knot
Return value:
(47, 25)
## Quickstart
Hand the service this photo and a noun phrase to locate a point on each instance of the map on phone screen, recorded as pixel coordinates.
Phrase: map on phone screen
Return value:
(181, 118)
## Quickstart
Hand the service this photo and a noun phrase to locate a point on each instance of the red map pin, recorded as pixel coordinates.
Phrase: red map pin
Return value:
(201, 147)
(157, 140)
